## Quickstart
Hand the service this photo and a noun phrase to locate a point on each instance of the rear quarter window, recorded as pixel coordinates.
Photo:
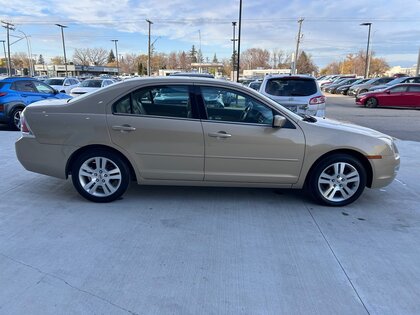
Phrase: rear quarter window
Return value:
(291, 87)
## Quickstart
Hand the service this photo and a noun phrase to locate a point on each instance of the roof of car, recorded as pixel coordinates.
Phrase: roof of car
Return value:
(305, 76)
(18, 78)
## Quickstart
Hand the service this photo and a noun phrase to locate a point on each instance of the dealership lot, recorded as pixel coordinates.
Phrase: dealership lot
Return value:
(183, 250)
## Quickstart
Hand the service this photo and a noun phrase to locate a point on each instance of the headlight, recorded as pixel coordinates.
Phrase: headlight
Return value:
(391, 143)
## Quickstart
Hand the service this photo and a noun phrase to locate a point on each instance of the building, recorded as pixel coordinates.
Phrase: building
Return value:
(252, 73)
(74, 70)
(397, 69)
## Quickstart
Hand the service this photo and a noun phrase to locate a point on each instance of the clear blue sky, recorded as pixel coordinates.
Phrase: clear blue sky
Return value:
(330, 31)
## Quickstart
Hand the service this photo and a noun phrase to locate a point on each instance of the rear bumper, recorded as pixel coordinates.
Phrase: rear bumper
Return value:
(41, 158)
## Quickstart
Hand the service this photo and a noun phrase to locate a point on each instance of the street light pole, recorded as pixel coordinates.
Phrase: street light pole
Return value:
(367, 64)
(30, 66)
(294, 69)
(64, 46)
(116, 54)
(149, 51)
(239, 41)
(233, 51)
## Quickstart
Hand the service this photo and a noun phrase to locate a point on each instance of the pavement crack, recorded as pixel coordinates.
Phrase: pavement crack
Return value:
(338, 260)
(47, 274)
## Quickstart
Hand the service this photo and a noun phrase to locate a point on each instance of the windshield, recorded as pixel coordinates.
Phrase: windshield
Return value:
(291, 87)
(91, 83)
(396, 81)
(54, 81)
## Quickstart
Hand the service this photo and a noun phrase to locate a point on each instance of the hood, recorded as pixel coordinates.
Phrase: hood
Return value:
(349, 127)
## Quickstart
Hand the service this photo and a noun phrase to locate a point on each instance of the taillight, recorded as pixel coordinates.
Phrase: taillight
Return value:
(1, 108)
(317, 100)
(3, 94)
(24, 127)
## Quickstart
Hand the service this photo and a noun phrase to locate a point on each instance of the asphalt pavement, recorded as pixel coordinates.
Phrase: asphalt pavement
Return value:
(400, 123)
(189, 250)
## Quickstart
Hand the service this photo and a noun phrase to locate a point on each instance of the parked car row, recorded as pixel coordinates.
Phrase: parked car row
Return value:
(18, 92)
(400, 91)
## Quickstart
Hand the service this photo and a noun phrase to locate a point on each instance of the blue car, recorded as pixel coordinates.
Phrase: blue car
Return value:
(18, 92)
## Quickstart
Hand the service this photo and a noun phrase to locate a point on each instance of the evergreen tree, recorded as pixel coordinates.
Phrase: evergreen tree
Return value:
(193, 54)
(41, 60)
(111, 57)
(215, 59)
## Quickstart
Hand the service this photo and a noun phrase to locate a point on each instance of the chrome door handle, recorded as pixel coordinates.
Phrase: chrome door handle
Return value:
(220, 134)
(124, 128)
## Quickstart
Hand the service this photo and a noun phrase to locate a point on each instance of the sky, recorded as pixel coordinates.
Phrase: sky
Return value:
(331, 29)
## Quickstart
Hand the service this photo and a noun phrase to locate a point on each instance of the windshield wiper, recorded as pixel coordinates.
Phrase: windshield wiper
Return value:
(308, 118)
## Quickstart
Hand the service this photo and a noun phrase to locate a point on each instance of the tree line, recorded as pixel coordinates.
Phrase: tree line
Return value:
(252, 58)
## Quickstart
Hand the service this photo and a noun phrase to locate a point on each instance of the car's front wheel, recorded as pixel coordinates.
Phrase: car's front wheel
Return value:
(100, 175)
(337, 180)
(371, 102)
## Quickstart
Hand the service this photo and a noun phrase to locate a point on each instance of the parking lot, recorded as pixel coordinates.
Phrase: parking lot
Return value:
(185, 250)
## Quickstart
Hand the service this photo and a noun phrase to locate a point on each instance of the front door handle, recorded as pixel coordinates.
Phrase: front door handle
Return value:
(220, 134)
(124, 128)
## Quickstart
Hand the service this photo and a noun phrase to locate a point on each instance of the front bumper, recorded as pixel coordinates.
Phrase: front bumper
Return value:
(385, 170)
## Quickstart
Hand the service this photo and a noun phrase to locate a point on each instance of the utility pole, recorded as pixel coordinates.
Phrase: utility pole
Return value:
(294, 68)
(149, 51)
(367, 64)
(8, 26)
(418, 64)
(5, 56)
(239, 40)
(30, 65)
(233, 52)
(64, 46)
(116, 54)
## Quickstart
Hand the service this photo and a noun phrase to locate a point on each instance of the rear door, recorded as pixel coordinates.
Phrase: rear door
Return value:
(242, 146)
(413, 95)
(159, 126)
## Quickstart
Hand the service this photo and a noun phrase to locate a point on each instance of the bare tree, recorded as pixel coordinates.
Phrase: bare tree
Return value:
(172, 61)
(255, 58)
(57, 60)
(90, 56)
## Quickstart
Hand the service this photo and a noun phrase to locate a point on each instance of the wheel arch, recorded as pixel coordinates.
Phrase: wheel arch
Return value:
(359, 156)
(87, 148)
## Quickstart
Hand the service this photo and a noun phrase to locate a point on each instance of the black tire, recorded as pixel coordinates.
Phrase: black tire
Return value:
(371, 102)
(14, 120)
(323, 179)
(94, 181)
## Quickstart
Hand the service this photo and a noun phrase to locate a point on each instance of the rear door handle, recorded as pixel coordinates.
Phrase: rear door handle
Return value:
(124, 128)
(220, 134)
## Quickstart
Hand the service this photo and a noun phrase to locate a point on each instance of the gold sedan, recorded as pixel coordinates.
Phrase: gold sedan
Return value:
(199, 132)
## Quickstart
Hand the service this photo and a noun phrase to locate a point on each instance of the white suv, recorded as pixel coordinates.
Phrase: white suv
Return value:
(298, 93)
(63, 84)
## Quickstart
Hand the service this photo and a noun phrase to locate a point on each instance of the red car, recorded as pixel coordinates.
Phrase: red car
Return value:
(399, 95)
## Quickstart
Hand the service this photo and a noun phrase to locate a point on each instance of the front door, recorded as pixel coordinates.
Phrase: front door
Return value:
(394, 96)
(242, 146)
(157, 125)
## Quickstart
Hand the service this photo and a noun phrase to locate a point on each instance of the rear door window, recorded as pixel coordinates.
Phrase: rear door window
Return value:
(166, 101)
(291, 87)
(24, 86)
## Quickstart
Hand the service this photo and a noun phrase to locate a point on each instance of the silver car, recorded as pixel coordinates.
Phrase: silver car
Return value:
(298, 93)
(199, 132)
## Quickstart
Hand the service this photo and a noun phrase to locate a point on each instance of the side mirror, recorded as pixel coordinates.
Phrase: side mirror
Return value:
(279, 121)
(56, 91)
(388, 91)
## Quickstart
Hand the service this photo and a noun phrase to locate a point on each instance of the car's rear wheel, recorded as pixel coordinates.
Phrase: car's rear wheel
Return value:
(337, 180)
(371, 102)
(100, 175)
(14, 120)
